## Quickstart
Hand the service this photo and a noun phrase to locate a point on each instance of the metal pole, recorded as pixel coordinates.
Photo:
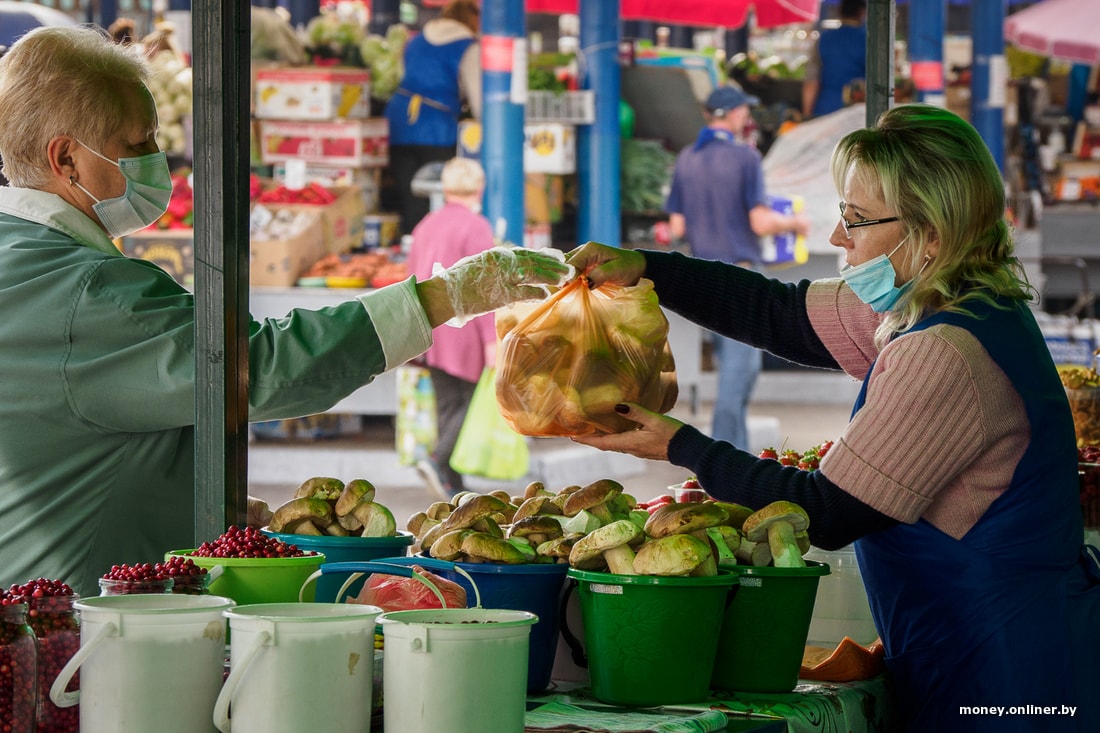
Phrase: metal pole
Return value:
(598, 144)
(880, 58)
(222, 39)
(989, 77)
(504, 100)
(926, 31)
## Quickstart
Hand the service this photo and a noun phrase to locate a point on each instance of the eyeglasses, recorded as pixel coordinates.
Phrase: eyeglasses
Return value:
(850, 225)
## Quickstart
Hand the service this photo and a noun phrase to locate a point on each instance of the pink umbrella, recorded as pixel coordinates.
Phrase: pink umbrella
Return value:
(724, 13)
(1064, 29)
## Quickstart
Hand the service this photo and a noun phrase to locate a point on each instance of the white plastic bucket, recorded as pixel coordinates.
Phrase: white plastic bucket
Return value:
(147, 663)
(460, 670)
(841, 607)
(297, 667)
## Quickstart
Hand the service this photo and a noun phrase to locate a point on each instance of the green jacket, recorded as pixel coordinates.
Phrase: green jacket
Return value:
(97, 390)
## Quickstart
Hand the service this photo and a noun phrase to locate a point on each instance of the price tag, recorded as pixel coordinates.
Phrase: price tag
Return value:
(295, 174)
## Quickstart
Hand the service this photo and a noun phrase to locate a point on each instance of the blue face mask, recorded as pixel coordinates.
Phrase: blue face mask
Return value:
(873, 281)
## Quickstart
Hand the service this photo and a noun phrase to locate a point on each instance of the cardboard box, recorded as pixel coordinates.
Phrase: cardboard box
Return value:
(336, 143)
(369, 180)
(341, 222)
(312, 93)
(787, 248)
(549, 148)
(172, 249)
(280, 262)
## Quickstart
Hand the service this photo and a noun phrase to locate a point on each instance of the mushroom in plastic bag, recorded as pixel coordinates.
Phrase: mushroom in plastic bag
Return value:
(563, 364)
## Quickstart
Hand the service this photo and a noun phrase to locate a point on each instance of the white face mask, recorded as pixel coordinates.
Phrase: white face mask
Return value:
(148, 191)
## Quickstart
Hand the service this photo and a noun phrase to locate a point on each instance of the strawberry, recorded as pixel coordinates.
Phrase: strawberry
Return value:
(824, 448)
(691, 483)
(770, 453)
(790, 457)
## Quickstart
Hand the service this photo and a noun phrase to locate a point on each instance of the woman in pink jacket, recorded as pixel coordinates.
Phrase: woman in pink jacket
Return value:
(458, 355)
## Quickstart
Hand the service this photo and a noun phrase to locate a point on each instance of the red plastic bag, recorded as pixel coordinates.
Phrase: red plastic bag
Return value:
(564, 365)
(395, 593)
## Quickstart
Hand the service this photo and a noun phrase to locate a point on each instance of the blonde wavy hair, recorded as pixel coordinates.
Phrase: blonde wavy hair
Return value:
(936, 173)
(61, 81)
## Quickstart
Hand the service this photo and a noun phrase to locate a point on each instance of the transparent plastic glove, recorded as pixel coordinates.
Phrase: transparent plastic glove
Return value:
(500, 276)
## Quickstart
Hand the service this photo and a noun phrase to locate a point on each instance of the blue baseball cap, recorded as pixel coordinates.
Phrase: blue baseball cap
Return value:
(726, 98)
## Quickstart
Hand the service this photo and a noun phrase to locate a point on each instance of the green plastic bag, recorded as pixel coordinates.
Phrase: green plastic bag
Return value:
(487, 446)
(415, 424)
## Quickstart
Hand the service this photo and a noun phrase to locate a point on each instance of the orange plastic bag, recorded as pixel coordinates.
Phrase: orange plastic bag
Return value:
(564, 364)
(396, 593)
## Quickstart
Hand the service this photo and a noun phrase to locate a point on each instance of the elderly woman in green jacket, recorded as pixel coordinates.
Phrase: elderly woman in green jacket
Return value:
(97, 350)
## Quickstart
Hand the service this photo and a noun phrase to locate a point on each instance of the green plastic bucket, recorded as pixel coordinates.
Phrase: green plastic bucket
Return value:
(249, 580)
(649, 640)
(764, 628)
(346, 549)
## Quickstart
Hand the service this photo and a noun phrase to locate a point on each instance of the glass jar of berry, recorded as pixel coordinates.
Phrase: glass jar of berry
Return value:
(124, 579)
(17, 668)
(56, 625)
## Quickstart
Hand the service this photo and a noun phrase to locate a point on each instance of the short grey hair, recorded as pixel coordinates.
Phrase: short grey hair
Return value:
(61, 81)
(462, 176)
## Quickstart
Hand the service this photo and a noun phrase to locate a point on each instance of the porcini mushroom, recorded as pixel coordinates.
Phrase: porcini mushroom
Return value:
(481, 547)
(318, 511)
(536, 529)
(609, 544)
(777, 524)
(319, 487)
(675, 554)
(375, 519)
(594, 499)
(478, 507)
(683, 518)
(448, 546)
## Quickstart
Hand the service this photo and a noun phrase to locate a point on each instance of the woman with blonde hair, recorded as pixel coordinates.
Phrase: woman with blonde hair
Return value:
(956, 478)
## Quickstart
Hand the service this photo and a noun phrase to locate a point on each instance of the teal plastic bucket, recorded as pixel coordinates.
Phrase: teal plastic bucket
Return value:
(650, 640)
(532, 587)
(346, 549)
(764, 629)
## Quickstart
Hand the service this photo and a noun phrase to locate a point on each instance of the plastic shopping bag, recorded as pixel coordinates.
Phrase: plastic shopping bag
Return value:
(566, 362)
(415, 422)
(487, 445)
(395, 593)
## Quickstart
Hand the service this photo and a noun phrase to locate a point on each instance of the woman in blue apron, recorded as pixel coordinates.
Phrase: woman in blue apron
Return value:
(956, 478)
(441, 72)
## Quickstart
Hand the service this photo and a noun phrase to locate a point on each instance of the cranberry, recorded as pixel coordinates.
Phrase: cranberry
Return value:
(247, 542)
(53, 622)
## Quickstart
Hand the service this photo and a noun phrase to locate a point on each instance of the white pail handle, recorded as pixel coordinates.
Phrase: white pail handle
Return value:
(236, 672)
(58, 695)
(357, 569)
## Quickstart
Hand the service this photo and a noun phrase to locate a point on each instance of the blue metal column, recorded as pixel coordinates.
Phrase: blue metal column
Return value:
(926, 32)
(504, 96)
(990, 74)
(599, 216)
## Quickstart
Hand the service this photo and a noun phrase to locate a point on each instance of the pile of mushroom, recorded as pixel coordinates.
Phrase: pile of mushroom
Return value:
(327, 506)
(599, 527)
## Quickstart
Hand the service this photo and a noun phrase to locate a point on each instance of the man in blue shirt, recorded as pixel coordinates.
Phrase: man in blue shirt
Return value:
(717, 203)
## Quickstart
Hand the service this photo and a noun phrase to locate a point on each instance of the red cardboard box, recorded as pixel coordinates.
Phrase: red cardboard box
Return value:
(312, 93)
(335, 143)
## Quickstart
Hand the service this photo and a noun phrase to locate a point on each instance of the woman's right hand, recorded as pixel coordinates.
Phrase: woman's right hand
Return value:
(601, 264)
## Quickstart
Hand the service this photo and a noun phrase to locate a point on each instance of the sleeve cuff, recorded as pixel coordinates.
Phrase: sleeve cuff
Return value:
(399, 320)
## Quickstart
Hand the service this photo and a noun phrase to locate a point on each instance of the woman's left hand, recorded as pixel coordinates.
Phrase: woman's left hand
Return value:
(650, 440)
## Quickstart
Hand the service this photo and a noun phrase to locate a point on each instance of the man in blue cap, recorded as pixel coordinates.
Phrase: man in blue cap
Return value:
(718, 204)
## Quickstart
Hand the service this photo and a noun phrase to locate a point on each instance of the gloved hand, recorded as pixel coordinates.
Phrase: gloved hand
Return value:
(500, 276)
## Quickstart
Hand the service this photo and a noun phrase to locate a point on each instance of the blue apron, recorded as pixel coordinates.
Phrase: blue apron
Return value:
(1009, 615)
